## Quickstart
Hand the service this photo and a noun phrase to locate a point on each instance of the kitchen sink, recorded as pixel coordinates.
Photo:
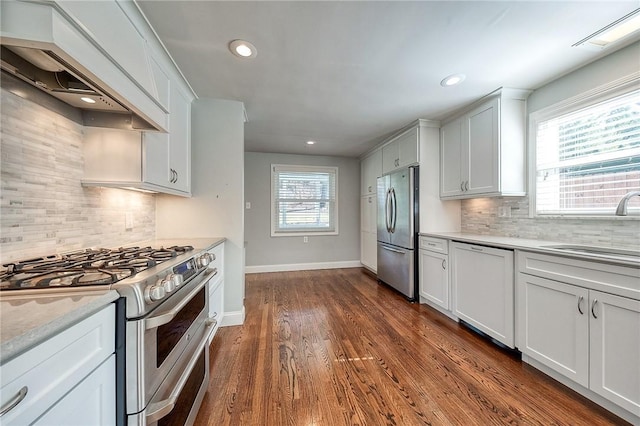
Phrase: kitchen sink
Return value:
(611, 253)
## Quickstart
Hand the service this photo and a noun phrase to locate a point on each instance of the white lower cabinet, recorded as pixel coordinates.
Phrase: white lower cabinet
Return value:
(589, 336)
(434, 272)
(554, 326)
(368, 232)
(89, 403)
(482, 281)
(216, 287)
(68, 379)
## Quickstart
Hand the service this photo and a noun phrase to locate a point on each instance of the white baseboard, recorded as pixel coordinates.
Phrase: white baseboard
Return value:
(233, 318)
(302, 266)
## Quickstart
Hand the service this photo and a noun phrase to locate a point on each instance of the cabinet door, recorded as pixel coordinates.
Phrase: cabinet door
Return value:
(434, 278)
(155, 166)
(615, 349)
(92, 402)
(390, 157)
(483, 148)
(451, 159)
(553, 325)
(483, 287)
(408, 148)
(371, 168)
(180, 139)
(368, 250)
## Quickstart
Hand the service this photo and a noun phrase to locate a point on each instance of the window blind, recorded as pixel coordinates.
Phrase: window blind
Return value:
(304, 199)
(586, 160)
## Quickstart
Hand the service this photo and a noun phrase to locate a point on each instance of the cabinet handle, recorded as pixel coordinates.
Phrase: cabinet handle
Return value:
(176, 181)
(462, 186)
(466, 185)
(369, 200)
(431, 244)
(369, 190)
(14, 401)
(593, 308)
(580, 299)
(476, 248)
(444, 264)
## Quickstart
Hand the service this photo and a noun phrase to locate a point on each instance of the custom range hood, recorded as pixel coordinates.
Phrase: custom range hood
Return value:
(45, 46)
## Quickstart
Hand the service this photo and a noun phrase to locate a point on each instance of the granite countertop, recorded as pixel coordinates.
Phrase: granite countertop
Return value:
(28, 321)
(539, 246)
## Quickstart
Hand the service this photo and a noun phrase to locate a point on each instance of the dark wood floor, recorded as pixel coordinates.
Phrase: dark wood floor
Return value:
(333, 347)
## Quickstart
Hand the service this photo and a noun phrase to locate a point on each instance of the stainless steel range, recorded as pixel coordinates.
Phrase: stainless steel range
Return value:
(164, 368)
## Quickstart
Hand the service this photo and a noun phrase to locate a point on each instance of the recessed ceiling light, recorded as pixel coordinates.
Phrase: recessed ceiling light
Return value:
(311, 142)
(243, 49)
(88, 100)
(452, 80)
(613, 32)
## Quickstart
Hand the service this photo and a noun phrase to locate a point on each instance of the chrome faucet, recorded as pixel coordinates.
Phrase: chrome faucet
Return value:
(622, 205)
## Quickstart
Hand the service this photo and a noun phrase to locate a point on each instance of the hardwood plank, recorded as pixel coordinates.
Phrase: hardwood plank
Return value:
(333, 347)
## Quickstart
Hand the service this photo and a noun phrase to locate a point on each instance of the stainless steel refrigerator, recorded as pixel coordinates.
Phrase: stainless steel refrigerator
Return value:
(398, 221)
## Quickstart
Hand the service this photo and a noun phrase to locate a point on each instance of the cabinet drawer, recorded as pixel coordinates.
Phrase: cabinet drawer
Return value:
(438, 245)
(615, 279)
(54, 367)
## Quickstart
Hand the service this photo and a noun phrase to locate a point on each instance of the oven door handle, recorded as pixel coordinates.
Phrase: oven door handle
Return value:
(164, 318)
(158, 410)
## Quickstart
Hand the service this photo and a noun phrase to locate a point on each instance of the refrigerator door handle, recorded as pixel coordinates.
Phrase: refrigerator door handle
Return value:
(387, 214)
(395, 209)
(393, 250)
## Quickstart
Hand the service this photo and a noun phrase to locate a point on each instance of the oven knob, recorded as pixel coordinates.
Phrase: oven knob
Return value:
(169, 284)
(177, 279)
(154, 293)
(205, 259)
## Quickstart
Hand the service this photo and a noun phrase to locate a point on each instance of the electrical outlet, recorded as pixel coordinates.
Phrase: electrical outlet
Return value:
(504, 211)
(305, 239)
(128, 220)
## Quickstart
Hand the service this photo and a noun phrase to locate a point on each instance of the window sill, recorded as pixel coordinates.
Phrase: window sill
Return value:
(632, 217)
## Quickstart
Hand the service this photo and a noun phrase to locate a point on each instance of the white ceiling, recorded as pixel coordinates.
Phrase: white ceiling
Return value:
(347, 73)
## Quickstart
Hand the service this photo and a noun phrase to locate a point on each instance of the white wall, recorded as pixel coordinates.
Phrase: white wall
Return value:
(217, 206)
(267, 253)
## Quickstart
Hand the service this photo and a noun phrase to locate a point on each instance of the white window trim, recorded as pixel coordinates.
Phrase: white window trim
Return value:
(299, 168)
(599, 94)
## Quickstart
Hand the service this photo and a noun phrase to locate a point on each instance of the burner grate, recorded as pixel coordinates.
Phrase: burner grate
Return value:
(85, 267)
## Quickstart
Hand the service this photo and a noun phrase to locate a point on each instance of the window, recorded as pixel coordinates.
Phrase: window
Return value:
(587, 156)
(304, 200)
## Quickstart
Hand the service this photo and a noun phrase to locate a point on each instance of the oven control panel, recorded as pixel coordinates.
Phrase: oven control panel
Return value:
(171, 282)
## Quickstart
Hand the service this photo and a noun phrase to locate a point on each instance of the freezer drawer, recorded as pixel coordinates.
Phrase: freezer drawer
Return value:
(396, 267)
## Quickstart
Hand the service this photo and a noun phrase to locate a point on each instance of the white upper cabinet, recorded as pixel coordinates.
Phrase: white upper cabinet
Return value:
(370, 170)
(401, 151)
(482, 151)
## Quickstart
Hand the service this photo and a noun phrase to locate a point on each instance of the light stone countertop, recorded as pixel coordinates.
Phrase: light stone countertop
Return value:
(530, 245)
(28, 321)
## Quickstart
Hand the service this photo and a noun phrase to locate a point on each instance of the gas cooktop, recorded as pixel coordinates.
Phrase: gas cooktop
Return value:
(90, 267)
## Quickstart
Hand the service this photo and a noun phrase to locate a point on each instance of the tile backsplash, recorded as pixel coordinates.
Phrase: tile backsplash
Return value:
(43, 207)
(480, 216)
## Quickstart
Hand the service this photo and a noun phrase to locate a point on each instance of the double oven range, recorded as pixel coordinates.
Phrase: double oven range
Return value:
(163, 325)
